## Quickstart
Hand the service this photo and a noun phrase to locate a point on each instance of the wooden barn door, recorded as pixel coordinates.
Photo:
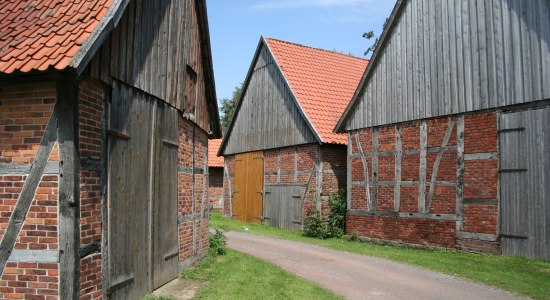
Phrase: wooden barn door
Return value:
(283, 206)
(248, 191)
(142, 194)
(165, 195)
(525, 183)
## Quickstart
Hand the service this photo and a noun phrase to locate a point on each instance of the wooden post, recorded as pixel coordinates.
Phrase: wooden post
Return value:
(104, 203)
(375, 169)
(423, 165)
(398, 163)
(69, 188)
(349, 172)
(460, 174)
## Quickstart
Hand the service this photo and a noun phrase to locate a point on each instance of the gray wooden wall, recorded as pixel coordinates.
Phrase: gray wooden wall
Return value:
(453, 56)
(525, 183)
(154, 47)
(268, 116)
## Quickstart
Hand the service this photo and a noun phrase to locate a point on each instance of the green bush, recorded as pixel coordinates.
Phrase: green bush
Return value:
(335, 226)
(217, 243)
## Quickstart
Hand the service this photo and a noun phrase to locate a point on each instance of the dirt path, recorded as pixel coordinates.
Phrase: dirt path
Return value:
(358, 276)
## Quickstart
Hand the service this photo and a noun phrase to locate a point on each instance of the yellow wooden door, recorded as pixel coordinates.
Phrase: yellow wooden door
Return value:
(248, 187)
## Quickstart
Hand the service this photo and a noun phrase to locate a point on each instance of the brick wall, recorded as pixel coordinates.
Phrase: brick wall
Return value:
(193, 230)
(420, 199)
(24, 112)
(298, 165)
(91, 144)
(215, 188)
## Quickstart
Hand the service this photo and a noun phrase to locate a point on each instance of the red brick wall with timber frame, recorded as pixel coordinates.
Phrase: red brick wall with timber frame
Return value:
(320, 169)
(431, 182)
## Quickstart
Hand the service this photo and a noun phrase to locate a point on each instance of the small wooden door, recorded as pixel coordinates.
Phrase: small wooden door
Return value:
(248, 191)
(283, 206)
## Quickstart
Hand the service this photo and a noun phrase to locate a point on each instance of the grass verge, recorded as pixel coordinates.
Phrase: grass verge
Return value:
(515, 274)
(241, 276)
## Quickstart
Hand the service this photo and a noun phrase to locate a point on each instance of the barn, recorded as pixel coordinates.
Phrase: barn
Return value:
(106, 108)
(448, 132)
(215, 176)
(282, 160)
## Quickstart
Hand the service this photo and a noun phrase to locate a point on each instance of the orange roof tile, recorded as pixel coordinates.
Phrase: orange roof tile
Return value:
(36, 35)
(323, 81)
(213, 159)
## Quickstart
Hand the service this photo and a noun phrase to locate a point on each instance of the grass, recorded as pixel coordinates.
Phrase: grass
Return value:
(241, 276)
(515, 274)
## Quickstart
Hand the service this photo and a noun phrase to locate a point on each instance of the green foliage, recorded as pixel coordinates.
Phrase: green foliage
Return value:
(370, 34)
(217, 243)
(335, 226)
(228, 106)
(354, 236)
(314, 226)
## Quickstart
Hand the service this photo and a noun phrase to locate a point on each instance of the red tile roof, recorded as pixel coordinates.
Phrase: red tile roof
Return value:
(323, 81)
(213, 159)
(36, 35)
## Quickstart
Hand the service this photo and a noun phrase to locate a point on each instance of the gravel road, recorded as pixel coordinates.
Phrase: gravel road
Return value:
(358, 276)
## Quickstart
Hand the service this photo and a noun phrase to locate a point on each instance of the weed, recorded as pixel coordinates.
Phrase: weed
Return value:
(217, 243)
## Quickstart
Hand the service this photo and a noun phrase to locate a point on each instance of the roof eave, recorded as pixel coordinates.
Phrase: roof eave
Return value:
(397, 10)
(208, 66)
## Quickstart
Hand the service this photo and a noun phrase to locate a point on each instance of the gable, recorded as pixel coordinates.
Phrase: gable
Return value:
(156, 47)
(267, 116)
(438, 58)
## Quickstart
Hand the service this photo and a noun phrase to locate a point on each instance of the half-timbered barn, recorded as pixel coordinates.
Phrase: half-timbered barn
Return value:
(282, 160)
(106, 107)
(448, 132)
(215, 176)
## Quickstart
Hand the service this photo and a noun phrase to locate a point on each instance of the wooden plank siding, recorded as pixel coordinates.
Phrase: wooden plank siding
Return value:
(159, 47)
(268, 117)
(447, 57)
(524, 187)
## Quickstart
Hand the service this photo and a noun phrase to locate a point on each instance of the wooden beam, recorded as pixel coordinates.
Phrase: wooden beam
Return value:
(349, 172)
(438, 158)
(365, 170)
(423, 166)
(375, 169)
(36, 256)
(26, 196)
(69, 188)
(52, 167)
(460, 173)
(89, 249)
(398, 163)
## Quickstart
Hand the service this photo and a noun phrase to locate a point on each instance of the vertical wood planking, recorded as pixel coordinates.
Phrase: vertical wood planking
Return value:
(480, 55)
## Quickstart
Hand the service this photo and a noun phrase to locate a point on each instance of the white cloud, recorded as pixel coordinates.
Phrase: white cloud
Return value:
(282, 4)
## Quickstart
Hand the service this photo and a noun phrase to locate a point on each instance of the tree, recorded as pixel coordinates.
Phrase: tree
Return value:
(228, 106)
(370, 34)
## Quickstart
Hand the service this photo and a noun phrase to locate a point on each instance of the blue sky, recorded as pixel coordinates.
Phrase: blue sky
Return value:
(236, 27)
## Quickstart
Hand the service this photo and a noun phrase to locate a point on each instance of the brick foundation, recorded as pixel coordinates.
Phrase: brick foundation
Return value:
(320, 169)
(457, 206)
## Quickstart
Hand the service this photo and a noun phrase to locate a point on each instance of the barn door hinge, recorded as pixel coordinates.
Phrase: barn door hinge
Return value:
(235, 215)
(512, 236)
(297, 222)
(118, 134)
(170, 143)
(119, 285)
(170, 256)
(512, 170)
(511, 130)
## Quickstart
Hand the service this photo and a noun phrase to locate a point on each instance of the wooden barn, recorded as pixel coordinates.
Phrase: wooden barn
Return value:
(282, 160)
(215, 176)
(106, 107)
(449, 129)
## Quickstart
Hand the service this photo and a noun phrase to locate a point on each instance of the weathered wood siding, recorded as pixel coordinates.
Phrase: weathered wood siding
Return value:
(524, 187)
(157, 47)
(268, 117)
(448, 57)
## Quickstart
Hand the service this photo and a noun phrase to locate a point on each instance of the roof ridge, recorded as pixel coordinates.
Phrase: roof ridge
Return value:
(316, 48)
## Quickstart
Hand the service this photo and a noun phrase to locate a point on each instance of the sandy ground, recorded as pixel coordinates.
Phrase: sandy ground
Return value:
(358, 276)
(179, 289)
